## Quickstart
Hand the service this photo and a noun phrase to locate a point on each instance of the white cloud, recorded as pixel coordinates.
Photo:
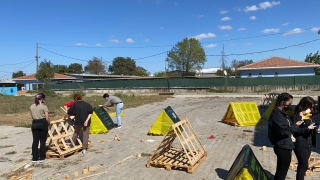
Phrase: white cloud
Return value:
(251, 8)
(223, 12)
(294, 31)
(204, 36)
(285, 24)
(315, 29)
(99, 45)
(129, 40)
(227, 27)
(270, 30)
(248, 44)
(200, 16)
(81, 44)
(161, 28)
(225, 19)
(210, 46)
(242, 29)
(263, 5)
(234, 44)
(252, 18)
(267, 4)
(113, 40)
(146, 40)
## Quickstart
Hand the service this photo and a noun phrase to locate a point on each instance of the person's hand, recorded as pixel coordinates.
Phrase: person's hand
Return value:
(85, 124)
(299, 123)
(301, 113)
(311, 126)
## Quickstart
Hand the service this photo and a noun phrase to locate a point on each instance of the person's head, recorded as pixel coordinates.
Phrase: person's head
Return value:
(304, 104)
(105, 96)
(284, 100)
(39, 98)
(77, 97)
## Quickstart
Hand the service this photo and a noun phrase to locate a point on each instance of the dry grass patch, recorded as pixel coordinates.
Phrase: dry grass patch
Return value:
(5, 146)
(14, 113)
(11, 152)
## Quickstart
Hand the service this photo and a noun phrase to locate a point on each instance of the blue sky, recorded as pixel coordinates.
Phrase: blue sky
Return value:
(74, 31)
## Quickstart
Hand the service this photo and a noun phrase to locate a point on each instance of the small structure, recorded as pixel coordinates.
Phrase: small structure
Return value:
(60, 141)
(242, 114)
(189, 156)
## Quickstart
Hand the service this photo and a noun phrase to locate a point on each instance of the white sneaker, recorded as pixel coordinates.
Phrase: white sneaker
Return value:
(118, 127)
(84, 151)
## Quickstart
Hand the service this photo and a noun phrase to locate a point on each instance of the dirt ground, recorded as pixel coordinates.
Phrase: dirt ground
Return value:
(118, 159)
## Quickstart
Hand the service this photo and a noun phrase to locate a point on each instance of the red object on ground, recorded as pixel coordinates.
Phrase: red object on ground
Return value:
(211, 137)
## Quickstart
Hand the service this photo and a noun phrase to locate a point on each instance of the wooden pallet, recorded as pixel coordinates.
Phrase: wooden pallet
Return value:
(60, 131)
(188, 157)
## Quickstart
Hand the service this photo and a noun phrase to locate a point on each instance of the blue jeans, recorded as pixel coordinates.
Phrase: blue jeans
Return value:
(118, 111)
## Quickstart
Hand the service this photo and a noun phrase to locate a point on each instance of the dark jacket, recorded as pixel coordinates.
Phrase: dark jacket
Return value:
(81, 110)
(280, 129)
(303, 135)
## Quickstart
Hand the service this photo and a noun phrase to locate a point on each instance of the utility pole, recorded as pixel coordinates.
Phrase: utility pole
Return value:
(223, 61)
(37, 58)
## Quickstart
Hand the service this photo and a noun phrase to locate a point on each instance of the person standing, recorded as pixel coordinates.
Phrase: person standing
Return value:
(303, 135)
(280, 134)
(71, 119)
(82, 111)
(111, 101)
(39, 127)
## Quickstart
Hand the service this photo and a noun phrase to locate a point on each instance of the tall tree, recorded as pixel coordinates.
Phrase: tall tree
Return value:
(45, 72)
(61, 69)
(121, 65)
(237, 64)
(95, 66)
(18, 74)
(160, 74)
(140, 71)
(315, 58)
(75, 68)
(186, 55)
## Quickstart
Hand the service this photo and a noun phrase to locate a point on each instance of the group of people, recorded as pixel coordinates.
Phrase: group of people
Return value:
(292, 133)
(80, 113)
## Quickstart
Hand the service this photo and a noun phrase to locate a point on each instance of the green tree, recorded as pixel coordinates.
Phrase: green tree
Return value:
(61, 69)
(95, 66)
(121, 65)
(237, 64)
(229, 70)
(160, 74)
(75, 68)
(186, 55)
(18, 74)
(314, 58)
(45, 72)
(140, 71)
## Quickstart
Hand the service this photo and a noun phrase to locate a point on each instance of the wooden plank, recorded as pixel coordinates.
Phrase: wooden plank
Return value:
(92, 175)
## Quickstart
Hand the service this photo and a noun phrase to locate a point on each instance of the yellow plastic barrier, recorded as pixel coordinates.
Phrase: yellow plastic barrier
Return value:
(242, 114)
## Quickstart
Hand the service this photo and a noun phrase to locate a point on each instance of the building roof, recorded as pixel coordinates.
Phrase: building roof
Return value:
(208, 70)
(33, 77)
(277, 63)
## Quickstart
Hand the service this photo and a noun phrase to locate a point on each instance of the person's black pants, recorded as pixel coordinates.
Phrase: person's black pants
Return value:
(39, 130)
(302, 154)
(283, 162)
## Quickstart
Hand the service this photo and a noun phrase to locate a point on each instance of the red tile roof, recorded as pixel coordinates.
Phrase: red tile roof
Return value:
(33, 77)
(277, 62)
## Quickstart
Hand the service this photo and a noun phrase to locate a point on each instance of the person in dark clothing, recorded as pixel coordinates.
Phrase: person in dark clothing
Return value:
(39, 128)
(82, 111)
(280, 133)
(303, 135)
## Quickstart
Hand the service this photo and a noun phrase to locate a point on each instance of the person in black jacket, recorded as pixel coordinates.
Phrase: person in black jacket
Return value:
(82, 111)
(280, 133)
(303, 135)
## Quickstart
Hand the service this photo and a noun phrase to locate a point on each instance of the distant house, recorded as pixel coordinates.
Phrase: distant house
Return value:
(207, 72)
(278, 67)
(27, 81)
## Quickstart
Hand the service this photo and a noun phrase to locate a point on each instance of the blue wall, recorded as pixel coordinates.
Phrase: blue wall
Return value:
(9, 90)
(281, 72)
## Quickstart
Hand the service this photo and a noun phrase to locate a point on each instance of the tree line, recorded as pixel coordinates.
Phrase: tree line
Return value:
(184, 59)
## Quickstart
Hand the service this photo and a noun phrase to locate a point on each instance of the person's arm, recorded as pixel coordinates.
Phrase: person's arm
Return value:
(282, 128)
(87, 120)
(108, 102)
(71, 110)
(90, 111)
(65, 107)
(47, 117)
(302, 129)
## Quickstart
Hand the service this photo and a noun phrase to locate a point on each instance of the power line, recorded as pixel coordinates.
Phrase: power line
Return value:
(63, 55)
(19, 69)
(15, 63)
(257, 52)
(139, 47)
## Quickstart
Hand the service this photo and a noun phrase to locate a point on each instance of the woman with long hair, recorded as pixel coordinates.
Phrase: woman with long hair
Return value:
(39, 128)
(280, 133)
(304, 134)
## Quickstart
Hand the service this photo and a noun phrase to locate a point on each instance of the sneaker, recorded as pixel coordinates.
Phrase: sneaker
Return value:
(84, 151)
(34, 161)
(40, 161)
(118, 127)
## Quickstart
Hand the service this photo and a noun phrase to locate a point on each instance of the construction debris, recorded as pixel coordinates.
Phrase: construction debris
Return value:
(116, 138)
